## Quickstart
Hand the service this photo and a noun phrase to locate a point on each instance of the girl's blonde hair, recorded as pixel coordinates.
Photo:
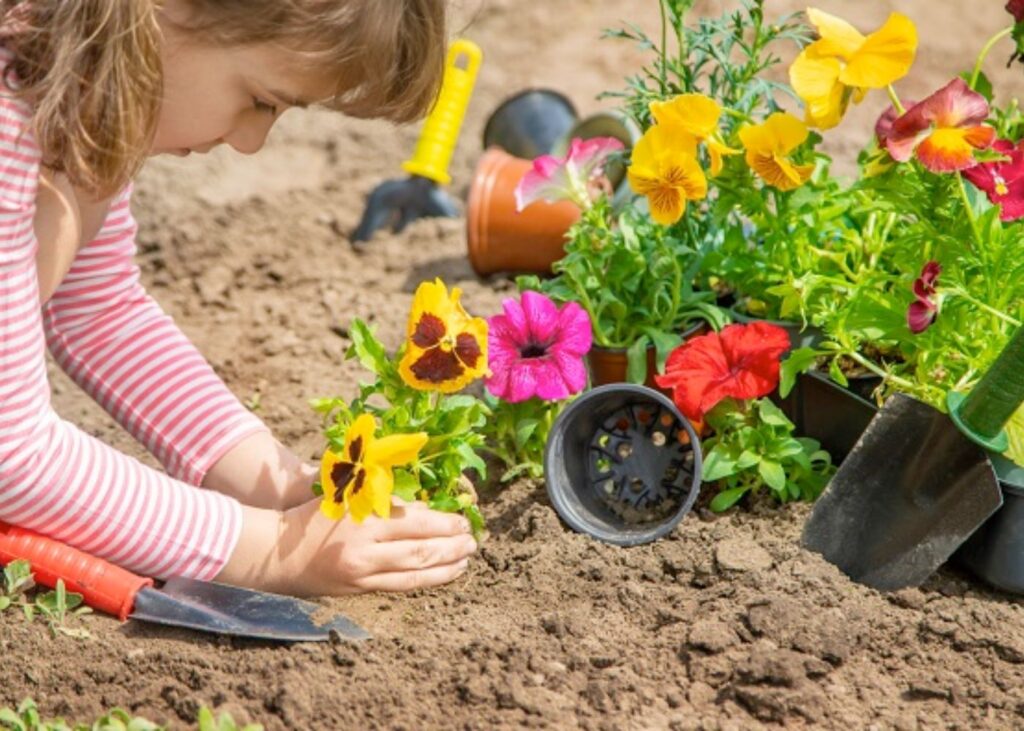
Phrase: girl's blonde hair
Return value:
(91, 69)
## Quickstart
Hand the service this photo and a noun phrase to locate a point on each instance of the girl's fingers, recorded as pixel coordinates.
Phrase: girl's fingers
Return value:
(408, 524)
(424, 553)
(412, 580)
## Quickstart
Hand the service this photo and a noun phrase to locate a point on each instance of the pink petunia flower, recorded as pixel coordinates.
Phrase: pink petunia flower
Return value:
(536, 349)
(1002, 181)
(923, 310)
(570, 178)
(944, 130)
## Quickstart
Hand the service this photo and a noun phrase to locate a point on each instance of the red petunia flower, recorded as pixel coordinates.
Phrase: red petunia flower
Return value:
(922, 311)
(741, 362)
(1003, 182)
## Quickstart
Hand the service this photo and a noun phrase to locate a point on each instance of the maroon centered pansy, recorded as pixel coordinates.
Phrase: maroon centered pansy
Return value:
(445, 348)
(923, 310)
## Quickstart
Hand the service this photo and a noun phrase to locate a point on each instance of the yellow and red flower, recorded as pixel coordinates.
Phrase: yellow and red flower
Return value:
(943, 130)
(697, 115)
(445, 348)
(843, 64)
(663, 166)
(359, 481)
(768, 146)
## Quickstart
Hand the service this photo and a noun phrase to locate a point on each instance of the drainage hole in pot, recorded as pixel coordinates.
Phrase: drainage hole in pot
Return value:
(608, 486)
(624, 450)
(603, 464)
(667, 419)
(602, 441)
(636, 485)
(658, 439)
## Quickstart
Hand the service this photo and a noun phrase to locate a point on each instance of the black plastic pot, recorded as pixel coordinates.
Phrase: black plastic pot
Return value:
(822, 409)
(995, 552)
(621, 464)
(530, 123)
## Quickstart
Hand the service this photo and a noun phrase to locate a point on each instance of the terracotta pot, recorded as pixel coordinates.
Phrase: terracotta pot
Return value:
(501, 239)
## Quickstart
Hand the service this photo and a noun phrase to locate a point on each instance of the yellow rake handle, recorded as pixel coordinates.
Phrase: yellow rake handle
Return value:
(440, 132)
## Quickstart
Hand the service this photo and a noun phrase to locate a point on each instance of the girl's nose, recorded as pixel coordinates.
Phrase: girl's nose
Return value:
(250, 133)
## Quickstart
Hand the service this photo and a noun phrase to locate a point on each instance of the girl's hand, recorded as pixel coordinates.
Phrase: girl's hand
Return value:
(312, 555)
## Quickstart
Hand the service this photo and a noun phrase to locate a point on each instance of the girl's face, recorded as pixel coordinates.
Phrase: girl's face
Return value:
(226, 94)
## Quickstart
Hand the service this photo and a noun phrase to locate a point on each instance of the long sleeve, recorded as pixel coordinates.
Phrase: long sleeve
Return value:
(116, 343)
(54, 478)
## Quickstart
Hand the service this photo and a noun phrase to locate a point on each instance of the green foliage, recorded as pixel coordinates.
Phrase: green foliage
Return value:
(635, 280)
(723, 57)
(53, 607)
(452, 422)
(754, 447)
(27, 718)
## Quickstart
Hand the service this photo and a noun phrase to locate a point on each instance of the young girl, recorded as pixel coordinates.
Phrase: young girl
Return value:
(90, 88)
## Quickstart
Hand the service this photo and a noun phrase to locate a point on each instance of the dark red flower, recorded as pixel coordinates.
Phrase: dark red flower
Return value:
(922, 311)
(1016, 9)
(1003, 182)
(741, 362)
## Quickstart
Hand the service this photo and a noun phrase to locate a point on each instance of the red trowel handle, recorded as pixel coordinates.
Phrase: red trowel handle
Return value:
(103, 586)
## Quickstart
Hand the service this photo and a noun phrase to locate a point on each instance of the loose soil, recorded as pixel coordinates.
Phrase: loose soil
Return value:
(726, 624)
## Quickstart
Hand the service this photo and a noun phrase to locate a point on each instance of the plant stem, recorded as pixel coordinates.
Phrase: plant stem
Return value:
(884, 375)
(664, 49)
(895, 100)
(981, 305)
(976, 74)
(969, 209)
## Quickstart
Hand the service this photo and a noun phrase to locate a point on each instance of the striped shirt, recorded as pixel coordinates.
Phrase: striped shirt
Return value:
(121, 348)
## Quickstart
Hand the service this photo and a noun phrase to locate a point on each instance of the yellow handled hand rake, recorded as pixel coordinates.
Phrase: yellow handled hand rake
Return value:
(397, 202)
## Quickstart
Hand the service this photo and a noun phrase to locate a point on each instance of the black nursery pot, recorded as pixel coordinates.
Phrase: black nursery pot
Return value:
(622, 464)
(995, 552)
(530, 123)
(822, 409)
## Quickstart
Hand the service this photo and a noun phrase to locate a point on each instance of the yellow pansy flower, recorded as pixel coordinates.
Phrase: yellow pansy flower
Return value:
(445, 347)
(768, 146)
(359, 481)
(663, 167)
(697, 115)
(844, 64)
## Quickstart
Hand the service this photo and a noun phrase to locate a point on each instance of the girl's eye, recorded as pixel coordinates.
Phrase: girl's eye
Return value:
(262, 106)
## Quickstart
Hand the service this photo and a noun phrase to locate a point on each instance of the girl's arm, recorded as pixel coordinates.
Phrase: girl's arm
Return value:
(114, 340)
(54, 478)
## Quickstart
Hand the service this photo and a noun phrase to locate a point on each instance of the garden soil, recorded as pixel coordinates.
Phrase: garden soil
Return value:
(725, 624)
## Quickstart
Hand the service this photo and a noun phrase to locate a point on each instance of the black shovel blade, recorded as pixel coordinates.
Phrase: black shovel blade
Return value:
(910, 492)
(231, 610)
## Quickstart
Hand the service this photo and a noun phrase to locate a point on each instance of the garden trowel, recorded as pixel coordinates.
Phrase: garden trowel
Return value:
(200, 605)
(397, 202)
(919, 482)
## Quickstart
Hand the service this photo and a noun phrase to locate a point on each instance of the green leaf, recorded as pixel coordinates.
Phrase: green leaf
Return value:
(836, 373)
(773, 474)
(717, 465)
(471, 460)
(5, 601)
(772, 414)
(727, 498)
(205, 719)
(367, 348)
(636, 360)
(406, 485)
(799, 361)
(524, 430)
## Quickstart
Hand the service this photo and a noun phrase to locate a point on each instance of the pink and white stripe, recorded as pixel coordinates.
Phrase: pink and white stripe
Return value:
(118, 345)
